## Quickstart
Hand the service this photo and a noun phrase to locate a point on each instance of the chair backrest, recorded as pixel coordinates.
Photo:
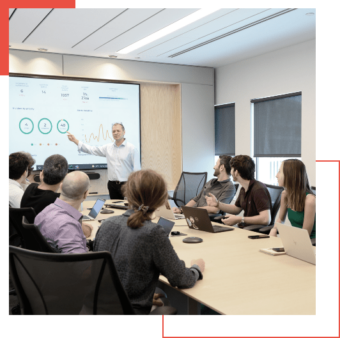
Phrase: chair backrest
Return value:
(314, 190)
(275, 196)
(49, 283)
(37, 240)
(188, 187)
(15, 224)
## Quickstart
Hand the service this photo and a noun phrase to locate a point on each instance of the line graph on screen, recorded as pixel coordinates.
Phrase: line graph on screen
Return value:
(105, 135)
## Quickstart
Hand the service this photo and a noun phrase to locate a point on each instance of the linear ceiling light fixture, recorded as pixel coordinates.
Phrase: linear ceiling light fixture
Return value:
(201, 13)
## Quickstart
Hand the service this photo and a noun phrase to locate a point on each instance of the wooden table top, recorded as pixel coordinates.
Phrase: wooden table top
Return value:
(238, 278)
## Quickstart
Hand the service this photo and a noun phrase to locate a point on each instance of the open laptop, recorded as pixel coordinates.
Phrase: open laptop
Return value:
(94, 211)
(166, 212)
(199, 219)
(296, 243)
(166, 224)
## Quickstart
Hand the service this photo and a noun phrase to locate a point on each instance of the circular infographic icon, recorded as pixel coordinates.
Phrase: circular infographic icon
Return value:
(45, 126)
(26, 125)
(63, 126)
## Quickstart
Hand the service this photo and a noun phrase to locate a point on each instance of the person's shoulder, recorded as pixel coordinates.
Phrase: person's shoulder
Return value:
(310, 200)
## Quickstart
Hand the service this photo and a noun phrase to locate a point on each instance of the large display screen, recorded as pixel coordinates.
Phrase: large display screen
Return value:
(42, 111)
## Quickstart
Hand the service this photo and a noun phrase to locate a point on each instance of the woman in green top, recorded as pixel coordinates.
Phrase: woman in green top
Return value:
(297, 198)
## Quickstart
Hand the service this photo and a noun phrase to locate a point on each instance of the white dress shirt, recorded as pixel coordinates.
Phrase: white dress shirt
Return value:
(121, 161)
(15, 193)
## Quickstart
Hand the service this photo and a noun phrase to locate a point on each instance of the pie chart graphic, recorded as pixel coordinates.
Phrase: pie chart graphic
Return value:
(26, 125)
(63, 126)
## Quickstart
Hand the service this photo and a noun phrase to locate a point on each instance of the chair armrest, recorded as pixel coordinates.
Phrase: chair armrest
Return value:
(253, 227)
(164, 310)
(266, 230)
(12, 292)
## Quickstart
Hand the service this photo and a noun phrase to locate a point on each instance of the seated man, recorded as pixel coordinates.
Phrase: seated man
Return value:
(39, 196)
(18, 169)
(254, 197)
(222, 187)
(60, 222)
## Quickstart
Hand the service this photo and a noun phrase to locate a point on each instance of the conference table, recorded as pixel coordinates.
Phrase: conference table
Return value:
(238, 278)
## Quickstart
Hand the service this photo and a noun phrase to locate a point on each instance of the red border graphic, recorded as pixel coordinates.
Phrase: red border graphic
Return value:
(4, 26)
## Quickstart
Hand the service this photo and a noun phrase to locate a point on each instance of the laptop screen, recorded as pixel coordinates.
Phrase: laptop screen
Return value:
(166, 224)
(96, 208)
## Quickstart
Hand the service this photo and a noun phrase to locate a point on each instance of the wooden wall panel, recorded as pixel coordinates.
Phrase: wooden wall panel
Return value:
(161, 130)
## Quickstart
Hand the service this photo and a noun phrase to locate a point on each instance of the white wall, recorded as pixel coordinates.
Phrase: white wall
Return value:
(283, 71)
(198, 143)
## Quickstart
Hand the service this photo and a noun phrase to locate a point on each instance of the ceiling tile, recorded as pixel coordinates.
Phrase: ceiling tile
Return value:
(23, 22)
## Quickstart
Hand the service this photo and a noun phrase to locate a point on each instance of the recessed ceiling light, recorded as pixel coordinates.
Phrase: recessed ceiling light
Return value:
(310, 14)
(169, 29)
(42, 49)
(112, 56)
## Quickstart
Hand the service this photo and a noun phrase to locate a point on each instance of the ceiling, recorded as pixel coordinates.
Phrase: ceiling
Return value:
(225, 36)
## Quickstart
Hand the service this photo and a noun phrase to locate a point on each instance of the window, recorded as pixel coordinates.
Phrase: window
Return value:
(267, 168)
(225, 129)
(277, 133)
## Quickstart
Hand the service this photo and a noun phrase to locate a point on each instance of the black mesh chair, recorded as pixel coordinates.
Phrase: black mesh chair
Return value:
(37, 241)
(53, 284)
(218, 217)
(16, 230)
(14, 238)
(275, 196)
(188, 187)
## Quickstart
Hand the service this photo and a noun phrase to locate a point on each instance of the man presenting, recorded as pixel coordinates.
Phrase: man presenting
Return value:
(122, 158)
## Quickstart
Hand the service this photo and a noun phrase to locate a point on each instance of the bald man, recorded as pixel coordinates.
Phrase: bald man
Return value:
(60, 222)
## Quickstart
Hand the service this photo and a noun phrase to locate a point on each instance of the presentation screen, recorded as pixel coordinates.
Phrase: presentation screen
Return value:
(42, 111)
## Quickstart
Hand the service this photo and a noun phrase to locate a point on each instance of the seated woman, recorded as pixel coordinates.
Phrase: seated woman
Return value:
(140, 249)
(297, 197)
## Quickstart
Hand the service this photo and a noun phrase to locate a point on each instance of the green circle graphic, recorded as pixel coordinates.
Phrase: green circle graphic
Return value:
(68, 127)
(26, 118)
(39, 126)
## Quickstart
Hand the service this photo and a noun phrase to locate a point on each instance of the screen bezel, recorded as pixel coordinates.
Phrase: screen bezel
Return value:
(72, 78)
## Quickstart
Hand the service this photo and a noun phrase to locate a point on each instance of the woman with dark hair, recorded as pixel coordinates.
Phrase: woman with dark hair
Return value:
(297, 198)
(140, 249)
(18, 169)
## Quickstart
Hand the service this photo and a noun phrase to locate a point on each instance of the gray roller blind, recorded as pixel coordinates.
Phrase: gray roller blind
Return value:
(225, 130)
(277, 126)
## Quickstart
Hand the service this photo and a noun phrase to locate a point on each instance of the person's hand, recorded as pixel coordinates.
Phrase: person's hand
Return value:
(156, 299)
(273, 232)
(231, 220)
(200, 262)
(72, 138)
(176, 210)
(211, 200)
(87, 229)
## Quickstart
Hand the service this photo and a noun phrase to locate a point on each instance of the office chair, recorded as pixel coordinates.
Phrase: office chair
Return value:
(218, 217)
(52, 284)
(37, 241)
(19, 236)
(14, 238)
(188, 187)
(275, 196)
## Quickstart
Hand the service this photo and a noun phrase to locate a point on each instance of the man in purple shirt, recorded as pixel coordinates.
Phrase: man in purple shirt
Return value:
(60, 222)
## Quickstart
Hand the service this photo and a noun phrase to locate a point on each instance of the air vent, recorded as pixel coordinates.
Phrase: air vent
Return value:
(273, 16)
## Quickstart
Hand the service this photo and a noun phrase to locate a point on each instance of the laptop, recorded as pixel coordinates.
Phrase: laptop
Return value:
(199, 219)
(166, 224)
(94, 211)
(297, 243)
(166, 212)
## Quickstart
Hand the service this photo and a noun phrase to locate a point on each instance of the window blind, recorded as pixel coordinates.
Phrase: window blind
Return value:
(277, 126)
(225, 130)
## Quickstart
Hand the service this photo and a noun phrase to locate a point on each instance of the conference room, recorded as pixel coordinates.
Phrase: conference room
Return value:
(184, 87)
